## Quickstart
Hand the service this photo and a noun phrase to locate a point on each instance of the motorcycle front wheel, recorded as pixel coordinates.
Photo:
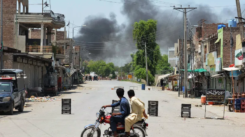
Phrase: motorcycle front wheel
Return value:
(137, 132)
(89, 132)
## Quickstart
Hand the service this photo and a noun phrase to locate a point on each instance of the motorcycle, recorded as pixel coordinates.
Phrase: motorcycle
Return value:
(93, 130)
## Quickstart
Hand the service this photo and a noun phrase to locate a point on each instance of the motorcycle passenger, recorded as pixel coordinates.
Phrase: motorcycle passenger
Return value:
(138, 112)
(124, 111)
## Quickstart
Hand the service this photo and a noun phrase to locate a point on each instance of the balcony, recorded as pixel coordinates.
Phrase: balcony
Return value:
(47, 51)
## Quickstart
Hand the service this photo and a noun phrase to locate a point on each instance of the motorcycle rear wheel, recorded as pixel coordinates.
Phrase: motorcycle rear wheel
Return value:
(137, 132)
(87, 132)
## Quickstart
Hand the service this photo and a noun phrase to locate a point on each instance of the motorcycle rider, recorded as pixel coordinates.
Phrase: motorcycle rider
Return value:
(124, 111)
(138, 112)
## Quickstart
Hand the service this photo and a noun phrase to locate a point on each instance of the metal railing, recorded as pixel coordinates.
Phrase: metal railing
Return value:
(46, 49)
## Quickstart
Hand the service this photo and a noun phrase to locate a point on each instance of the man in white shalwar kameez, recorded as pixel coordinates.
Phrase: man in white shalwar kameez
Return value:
(138, 112)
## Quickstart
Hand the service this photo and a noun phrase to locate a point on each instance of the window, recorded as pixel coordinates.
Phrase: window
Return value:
(217, 45)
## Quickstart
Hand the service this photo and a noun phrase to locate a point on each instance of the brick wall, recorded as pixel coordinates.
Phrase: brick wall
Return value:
(36, 34)
(8, 64)
(9, 10)
(226, 48)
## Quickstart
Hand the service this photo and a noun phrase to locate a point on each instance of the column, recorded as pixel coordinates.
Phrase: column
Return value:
(19, 7)
(42, 37)
(49, 36)
(24, 9)
(45, 36)
(27, 8)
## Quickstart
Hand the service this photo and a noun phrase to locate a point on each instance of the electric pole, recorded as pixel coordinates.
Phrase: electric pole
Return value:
(1, 39)
(185, 11)
(146, 66)
(239, 14)
(231, 43)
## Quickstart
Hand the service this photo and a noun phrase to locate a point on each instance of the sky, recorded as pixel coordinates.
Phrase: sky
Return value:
(80, 12)
(77, 10)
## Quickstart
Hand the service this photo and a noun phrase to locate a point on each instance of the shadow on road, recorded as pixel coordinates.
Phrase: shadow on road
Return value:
(15, 113)
(69, 92)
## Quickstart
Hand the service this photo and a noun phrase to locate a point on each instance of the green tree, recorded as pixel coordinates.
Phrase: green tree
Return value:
(163, 67)
(144, 33)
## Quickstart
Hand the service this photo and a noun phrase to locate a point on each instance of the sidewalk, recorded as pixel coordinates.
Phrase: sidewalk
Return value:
(214, 109)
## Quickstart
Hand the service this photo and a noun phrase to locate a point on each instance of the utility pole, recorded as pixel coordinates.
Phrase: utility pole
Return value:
(42, 6)
(146, 66)
(239, 14)
(185, 11)
(1, 39)
(231, 42)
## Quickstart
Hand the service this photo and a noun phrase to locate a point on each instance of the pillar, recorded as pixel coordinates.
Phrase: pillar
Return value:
(49, 36)
(27, 9)
(24, 9)
(42, 37)
(19, 9)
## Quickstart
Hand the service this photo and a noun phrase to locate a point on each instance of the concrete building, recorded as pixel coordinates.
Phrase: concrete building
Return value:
(172, 58)
(32, 43)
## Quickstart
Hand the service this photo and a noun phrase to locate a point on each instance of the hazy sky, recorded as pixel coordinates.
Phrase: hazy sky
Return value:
(113, 29)
(77, 10)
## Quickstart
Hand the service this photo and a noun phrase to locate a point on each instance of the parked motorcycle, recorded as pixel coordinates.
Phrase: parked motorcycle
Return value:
(93, 130)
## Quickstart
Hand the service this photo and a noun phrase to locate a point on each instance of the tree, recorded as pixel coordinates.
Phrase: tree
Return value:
(144, 33)
(163, 67)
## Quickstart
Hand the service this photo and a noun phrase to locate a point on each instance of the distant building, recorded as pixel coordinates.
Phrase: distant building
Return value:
(172, 58)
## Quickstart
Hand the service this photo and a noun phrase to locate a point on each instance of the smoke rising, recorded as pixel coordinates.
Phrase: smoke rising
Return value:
(104, 38)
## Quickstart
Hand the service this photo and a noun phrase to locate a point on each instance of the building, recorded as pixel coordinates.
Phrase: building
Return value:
(172, 58)
(32, 43)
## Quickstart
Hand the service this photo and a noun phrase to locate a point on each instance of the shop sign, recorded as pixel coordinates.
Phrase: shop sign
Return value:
(212, 58)
(24, 60)
(218, 64)
(238, 57)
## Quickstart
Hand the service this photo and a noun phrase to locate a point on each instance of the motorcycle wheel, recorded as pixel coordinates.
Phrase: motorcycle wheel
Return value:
(137, 132)
(87, 132)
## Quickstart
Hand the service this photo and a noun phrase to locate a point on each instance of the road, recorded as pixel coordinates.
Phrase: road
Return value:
(44, 119)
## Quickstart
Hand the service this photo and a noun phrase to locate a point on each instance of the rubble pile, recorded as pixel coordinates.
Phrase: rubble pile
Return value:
(41, 99)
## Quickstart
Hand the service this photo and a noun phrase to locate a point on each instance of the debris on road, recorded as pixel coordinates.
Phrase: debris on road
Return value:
(41, 99)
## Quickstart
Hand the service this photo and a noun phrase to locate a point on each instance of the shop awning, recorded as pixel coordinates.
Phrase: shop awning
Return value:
(200, 70)
(189, 70)
(161, 77)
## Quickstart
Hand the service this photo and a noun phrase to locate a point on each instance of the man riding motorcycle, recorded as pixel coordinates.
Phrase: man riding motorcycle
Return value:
(124, 111)
(138, 112)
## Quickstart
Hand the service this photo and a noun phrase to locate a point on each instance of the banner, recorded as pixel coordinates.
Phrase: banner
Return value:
(218, 64)
(238, 57)
(212, 58)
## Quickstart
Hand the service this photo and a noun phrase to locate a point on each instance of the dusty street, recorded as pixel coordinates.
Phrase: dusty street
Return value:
(44, 119)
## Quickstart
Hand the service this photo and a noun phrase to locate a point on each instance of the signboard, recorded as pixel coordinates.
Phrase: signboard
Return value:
(215, 95)
(238, 57)
(129, 76)
(212, 58)
(218, 64)
(212, 70)
(238, 42)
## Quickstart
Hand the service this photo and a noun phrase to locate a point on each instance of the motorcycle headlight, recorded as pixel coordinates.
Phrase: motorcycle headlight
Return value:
(6, 99)
(97, 115)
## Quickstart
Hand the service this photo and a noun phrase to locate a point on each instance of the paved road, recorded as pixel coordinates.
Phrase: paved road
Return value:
(44, 119)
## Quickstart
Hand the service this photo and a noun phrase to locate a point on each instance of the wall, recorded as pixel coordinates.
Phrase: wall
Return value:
(226, 47)
(36, 34)
(22, 43)
(9, 10)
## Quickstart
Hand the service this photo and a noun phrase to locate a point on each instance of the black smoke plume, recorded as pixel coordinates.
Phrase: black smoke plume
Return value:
(104, 38)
